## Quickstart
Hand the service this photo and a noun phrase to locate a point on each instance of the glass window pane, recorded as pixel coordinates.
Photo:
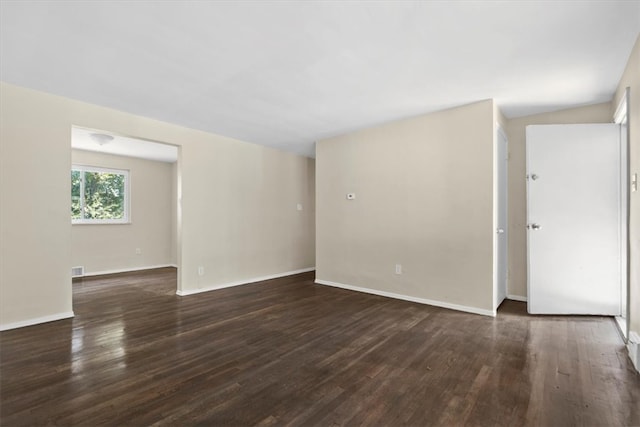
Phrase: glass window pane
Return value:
(103, 195)
(98, 195)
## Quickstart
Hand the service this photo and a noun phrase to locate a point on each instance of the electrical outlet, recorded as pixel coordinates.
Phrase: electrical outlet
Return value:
(201, 271)
(299, 207)
(138, 251)
(398, 268)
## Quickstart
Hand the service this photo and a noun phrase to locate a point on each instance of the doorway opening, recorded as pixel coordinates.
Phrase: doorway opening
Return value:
(125, 210)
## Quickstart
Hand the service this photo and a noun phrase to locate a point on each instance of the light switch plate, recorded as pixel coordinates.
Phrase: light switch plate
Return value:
(634, 182)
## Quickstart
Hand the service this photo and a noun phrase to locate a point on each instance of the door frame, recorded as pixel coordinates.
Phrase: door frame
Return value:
(498, 163)
(620, 116)
(176, 195)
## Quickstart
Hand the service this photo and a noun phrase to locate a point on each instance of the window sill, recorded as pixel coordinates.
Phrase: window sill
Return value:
(101, 223)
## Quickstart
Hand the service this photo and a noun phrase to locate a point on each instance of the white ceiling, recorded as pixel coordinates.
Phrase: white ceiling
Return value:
(81, 139)
(285, 74)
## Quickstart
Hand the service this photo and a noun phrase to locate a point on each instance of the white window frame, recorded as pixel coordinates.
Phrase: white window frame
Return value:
(127, 217)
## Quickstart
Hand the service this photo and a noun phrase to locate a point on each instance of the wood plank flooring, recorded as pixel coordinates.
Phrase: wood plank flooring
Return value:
(289, 352)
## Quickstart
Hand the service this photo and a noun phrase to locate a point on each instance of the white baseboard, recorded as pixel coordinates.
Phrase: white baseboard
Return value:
(186, 292)
(36, 321)
(442, 304)
(517, 298)
(633, 347)
(125, 270)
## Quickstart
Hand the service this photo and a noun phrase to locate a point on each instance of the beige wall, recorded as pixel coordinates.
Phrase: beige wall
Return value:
(424, 199)
(238, 202)
(515, 129)
(35, 224)
(631, 78)
(238, 207)
(110, 247)
(239, 212)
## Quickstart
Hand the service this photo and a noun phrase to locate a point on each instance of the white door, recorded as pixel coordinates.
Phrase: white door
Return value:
(502, 158)
(573, 219)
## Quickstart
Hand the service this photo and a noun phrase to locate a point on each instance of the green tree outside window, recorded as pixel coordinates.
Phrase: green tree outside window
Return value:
(98, 195)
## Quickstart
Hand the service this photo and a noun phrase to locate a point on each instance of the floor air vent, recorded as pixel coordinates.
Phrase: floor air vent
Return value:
(77, 271)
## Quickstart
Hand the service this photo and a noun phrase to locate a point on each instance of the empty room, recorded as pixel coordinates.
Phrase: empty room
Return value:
(383, 213)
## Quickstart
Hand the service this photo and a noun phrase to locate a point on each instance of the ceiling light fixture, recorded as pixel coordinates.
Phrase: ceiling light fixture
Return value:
(101, 138)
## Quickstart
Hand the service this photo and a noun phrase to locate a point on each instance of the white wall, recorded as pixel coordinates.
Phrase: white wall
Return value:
(112, 247)
(238, 207)
(424, 199)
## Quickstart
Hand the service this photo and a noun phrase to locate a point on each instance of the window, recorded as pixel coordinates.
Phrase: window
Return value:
(99, 196)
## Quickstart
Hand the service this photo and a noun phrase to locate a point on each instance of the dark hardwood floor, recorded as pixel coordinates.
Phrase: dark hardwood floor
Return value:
(289, 352)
